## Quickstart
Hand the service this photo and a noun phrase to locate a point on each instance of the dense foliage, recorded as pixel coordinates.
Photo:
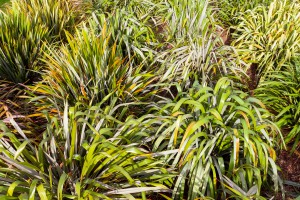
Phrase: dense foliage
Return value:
(268, 35)
(78, 156)
(220, 134)
(281, 93)
(138, 100)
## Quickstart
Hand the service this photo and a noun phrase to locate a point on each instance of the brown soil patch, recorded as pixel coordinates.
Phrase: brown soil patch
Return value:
(290, 171)
(253, 78)
(290, 165)
(225, 35)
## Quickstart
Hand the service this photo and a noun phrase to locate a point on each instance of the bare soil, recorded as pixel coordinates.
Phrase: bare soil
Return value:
(290, 171)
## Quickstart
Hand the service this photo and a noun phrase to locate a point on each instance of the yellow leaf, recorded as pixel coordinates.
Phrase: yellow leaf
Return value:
(189, 128)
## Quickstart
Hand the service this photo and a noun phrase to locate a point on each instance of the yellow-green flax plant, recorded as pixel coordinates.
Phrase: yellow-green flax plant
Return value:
(57, 15)
(268, 36)
(228, 10)
(80, 156)
(90, 68)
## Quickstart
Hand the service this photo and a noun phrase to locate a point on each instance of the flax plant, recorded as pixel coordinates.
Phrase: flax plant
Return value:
(90, 68)
(21, 46)
(229, 10)
(26, 26)
(79, 156)
(225, 141)
(134, 36)
(281, 94)
(268, 36)
(192, 46)
(57, 15)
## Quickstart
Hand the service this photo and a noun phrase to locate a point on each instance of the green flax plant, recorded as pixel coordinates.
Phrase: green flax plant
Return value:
(133, 35)
(81, 155)
(268, 36)
(281, 94)
(152, 13)
(89, 67)
(21, 45)
(224, 141)
(141, 9)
